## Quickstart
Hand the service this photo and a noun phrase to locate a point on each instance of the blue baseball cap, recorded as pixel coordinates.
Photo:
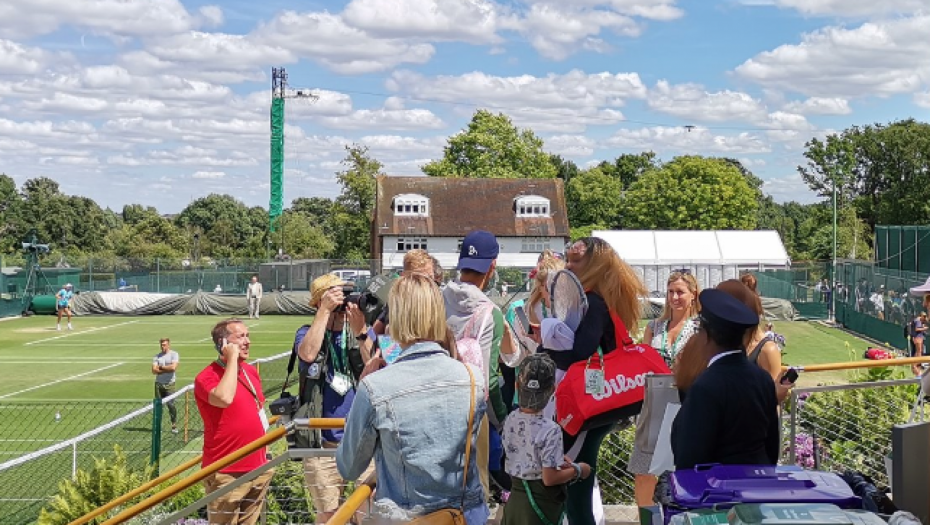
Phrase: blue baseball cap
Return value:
(479, 250)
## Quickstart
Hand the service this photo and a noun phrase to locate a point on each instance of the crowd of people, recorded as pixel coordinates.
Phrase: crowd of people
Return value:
(451, 408)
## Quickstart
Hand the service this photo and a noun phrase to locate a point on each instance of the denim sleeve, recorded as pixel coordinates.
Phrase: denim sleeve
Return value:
(357, 447)
(495, 396)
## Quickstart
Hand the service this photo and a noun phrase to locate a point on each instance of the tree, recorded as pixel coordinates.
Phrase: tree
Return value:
(593, 198)
(691, 193)
(628, 167)
(352, 212)
(304, 239)
(564, 169)
(226, 222)
(9, 199)
(136, 213)
(492, 147)
(882, 170)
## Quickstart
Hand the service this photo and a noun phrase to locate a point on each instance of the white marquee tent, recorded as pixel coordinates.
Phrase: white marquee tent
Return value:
(712, 256)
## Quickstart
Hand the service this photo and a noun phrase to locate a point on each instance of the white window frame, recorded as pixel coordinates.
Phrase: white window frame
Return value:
(534, 244)
(411, 205)
(532, 206)
(405, 244)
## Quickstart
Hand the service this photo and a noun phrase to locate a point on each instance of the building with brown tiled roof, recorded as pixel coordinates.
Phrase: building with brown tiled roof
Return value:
(432, 213)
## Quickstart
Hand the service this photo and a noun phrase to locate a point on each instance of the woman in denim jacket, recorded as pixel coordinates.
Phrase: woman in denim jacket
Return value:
(411, 416)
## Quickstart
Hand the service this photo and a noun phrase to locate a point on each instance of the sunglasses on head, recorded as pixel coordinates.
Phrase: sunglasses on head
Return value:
(683, 271)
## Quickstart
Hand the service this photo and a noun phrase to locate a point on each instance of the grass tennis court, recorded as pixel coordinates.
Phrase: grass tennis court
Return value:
(93, 375)
(101, 371)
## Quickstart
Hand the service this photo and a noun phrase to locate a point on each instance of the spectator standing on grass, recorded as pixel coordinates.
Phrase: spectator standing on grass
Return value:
(63, 303)
(253, 294)
(231, 403)
(165, 367)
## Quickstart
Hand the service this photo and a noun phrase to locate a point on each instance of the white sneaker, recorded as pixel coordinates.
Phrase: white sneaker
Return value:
(69, 327)
(58, 327)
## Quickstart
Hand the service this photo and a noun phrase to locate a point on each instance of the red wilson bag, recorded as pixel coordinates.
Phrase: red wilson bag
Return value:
(625, 370)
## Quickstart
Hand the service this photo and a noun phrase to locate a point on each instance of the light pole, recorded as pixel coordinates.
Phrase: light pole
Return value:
(833, 270)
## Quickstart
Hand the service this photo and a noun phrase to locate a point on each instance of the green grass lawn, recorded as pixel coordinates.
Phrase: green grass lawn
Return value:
(95, 374)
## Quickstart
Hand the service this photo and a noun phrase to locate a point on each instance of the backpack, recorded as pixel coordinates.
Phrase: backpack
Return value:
(468, 345)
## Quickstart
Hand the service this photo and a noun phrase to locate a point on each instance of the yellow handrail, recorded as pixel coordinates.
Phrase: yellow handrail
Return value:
(135, 492)
(853, 365)
(145, 487)
(359, 496)
(187, 482)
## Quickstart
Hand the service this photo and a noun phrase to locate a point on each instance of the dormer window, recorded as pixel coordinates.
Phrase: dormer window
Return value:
(411, 205)
(531, 206)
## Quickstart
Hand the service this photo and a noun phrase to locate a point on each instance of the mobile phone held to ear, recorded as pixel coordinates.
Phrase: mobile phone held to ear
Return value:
(790, 377)
(221, 345)
(524, 320)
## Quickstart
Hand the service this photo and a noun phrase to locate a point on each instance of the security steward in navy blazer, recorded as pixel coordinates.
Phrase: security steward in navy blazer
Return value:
(730, 413)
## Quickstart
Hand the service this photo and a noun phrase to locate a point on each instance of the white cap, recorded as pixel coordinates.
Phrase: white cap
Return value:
(68, 285)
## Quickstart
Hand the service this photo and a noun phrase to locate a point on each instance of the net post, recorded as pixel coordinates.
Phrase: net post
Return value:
(156, 433)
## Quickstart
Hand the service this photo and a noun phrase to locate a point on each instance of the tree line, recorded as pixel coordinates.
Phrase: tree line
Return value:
(881, 173)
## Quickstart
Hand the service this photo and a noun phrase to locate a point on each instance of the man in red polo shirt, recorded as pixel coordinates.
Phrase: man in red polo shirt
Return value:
(231, 403)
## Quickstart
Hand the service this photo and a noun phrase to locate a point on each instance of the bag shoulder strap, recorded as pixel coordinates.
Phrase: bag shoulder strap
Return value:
(620, 332)
(482, 312)
(471, 422)
(757, 351)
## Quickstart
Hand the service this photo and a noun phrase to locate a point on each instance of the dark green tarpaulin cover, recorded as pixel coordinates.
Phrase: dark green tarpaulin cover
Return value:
(200, 303)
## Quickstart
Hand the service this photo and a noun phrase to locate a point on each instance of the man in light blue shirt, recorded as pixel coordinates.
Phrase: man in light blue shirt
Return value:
(63, 302)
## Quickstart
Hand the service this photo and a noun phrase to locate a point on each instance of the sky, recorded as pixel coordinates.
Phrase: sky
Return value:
(159, 102)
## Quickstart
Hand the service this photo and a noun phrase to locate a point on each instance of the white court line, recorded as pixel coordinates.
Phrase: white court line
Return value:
(84, 362)
(60, 380)
(79, 332)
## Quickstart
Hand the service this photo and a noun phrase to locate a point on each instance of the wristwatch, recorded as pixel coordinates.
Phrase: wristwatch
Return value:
(362, 336)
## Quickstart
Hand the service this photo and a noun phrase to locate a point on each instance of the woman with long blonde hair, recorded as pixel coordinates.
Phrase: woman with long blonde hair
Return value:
(610, 285)
(537, 305)
(668, 334)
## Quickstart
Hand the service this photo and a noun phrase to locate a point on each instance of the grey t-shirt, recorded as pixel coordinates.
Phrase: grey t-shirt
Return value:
(166, 378)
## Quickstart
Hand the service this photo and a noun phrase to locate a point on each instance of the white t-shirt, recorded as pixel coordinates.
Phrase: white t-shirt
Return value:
(532, 442)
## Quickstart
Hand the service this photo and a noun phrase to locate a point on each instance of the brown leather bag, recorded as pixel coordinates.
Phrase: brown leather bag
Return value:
(455, 516)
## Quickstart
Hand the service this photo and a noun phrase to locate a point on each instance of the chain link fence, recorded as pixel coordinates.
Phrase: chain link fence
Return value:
(43, 443)
(842, 427)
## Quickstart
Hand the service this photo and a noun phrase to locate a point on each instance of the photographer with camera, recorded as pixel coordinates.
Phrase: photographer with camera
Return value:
(330, 362)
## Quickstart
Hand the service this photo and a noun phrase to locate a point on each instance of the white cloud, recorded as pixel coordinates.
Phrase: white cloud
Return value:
(473, 21)
(877, 58)
(691, 101)
(557, 31)
(667, 141)
(18, 59)
(327, 39)
(922, 99)
(26, 18)
(570, 145)
(789, 188)
(217, 51)
(820, 106)
(572, 90)
(846, 8)
(392, 116)
(208, 175)
(212, 15)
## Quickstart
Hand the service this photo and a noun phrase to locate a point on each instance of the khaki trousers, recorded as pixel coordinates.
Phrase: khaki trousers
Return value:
(241, 506)
(484, 456)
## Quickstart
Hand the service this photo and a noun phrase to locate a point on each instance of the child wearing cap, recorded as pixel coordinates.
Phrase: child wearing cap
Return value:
(533, 444)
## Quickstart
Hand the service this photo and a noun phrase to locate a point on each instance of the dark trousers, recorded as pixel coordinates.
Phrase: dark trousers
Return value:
(578, 507)
(163, 391)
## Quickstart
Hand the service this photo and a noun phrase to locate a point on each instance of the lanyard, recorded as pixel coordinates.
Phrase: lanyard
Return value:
(670, 351)
(247, 383)
(339, 358)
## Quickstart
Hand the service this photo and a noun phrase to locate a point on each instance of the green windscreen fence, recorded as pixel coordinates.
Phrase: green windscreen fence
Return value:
(11, 302)
(904, 248)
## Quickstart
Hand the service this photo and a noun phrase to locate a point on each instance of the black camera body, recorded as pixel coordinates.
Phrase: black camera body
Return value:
(285, 407)
(368, 301)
